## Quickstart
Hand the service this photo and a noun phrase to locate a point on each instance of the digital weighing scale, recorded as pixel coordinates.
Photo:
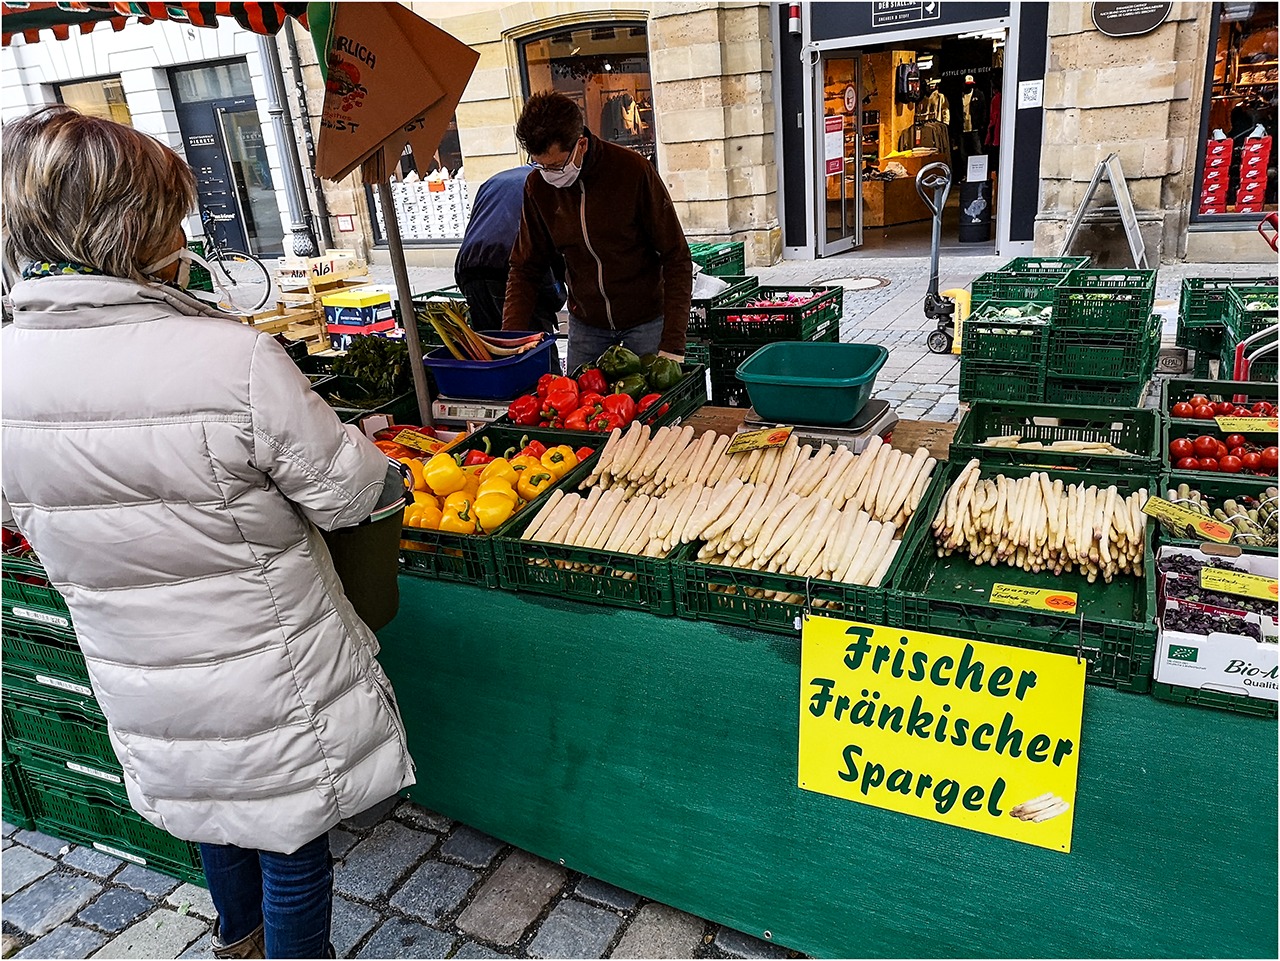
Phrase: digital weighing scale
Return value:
(877, 419)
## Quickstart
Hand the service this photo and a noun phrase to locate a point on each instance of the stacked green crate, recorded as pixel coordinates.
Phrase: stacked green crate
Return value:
(60, 772)
(698, 346)
(1202, 312)
(1249, 310)
(1002, 354)
(727, 259)
(200, 278)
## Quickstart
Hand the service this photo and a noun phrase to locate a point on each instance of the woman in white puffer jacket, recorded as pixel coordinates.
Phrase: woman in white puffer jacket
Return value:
(170, 466)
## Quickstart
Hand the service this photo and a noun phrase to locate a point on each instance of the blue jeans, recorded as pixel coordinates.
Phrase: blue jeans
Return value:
(587, 343)
(291, 895)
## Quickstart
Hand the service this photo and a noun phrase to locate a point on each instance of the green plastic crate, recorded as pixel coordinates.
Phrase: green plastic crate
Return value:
(726, 389)
(988, 380)
(720, 259)
(1203, 301)
(1137, 430)
(354, 403)
(41, 598)
(1115, 629)
(1240, 320)
(1109, 300)
(988, 337)
(739, 286)
(42, 649)
(200, 278)
(57, 722)
(90, 811)
(592, 576)
(697, 352)
(1102, 355)
(1174, 429)
(1175, 389)
(1215, 488)
(13, 803)
(1218, 700)
(1034, 287)
(1096, 393)
(1044, 265)
(738, 323)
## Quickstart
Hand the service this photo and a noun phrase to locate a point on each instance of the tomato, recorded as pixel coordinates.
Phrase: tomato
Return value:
(1181, 448)
(1182, 409)
(1262, 409)
(1269, 459)
(1229, 465)
(1202, 412)
(1209, 463)
(1187, 463)
(1199, 399)
(1223, 407)
(1236, 440)
(1205, 446)
(1221, 450)
(1252, 462)
(1241, 412)
(1237, 451)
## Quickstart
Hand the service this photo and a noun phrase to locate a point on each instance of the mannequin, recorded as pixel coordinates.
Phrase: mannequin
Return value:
(934, 106)
(971, 116)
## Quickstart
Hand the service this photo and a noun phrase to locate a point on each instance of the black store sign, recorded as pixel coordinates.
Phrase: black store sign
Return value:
(833, 21)
(1129, 19)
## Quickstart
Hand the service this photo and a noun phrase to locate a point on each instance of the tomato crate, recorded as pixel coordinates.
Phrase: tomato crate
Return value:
(1191, 429)
(42, 648)
(95, 812)
(1134, 429)
(1044, 265)
(1113, 628)
(57, 722)
(728, 259)
(988, 336)
(1245, 490)
(740, 323)
(726, 389)
(1106, 299)
(1035, 287)
(1218, 700)
(578, 573)
(988, 380)
(13, 801)
(1102, 355)
(1248, 392)
(739, 286)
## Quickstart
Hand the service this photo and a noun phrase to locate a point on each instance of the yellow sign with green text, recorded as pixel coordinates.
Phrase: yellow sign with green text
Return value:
(975, 735)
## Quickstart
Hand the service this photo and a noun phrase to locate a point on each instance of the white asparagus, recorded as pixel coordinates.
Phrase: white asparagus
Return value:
(907, 482)
(607, 455)
(834, 549)
(721, 524)
(598, 539)
(622, 529)
(878, 575)
(739, 526)
(684, 532)
(815, 528)
(864, 462)
(646, 464)
(540, 518)
(797, 471)
(815, 471)
(766, 531)
(864, 558)
(676, 457)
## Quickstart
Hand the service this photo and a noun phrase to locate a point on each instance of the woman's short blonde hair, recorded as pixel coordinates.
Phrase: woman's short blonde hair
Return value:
(88, 191)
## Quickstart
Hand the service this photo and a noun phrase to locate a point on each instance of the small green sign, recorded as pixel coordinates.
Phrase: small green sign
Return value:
(1179, 652)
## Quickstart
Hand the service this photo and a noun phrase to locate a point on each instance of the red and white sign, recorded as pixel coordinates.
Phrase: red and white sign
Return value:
(833, 145)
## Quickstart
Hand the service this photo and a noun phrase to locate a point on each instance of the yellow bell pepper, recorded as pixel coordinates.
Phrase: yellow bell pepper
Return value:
(458, 501)
(498, 486)
(525, 462)
(532, 483)
(492, 509)
(443, 475)
(559, 460)
(472, 486)
(419, 481)
(499, 469)
(459, 522)
(423, 515)
(422, 497)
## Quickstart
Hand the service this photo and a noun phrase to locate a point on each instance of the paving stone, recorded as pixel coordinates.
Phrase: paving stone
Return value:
(370, 817)
(198, 900)
(41, 842)
(471, 847)
(21, 867)
(116, 909)
(40, 908)
(65, 941)
(6, 843)
(203, 948)
(741, 945)
(591, 889)
(8, 945)
(575, 929)
(659, 931)
(91, 861)
(351, 922)
(341, 841)
(376, 864)
(435, 890)
(512, 898)
(162, 934)
(398, 938)
(470, 949)
(7, 829)
(145, 880)
(423, 818)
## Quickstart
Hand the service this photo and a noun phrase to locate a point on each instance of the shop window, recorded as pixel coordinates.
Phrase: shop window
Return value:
(1237, 174)
(431, 196)
(218, 81)
(97, 98)
(605, 68)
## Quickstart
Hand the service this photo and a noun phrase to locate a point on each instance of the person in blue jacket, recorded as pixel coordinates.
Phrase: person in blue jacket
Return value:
(485, 257)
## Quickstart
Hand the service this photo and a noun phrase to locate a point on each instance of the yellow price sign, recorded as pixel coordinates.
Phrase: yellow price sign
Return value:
(1033, 598)
(1238, 583)
(411, 438)
(974, 735)
(1184, 519)
(1248, 425)
(749, 440)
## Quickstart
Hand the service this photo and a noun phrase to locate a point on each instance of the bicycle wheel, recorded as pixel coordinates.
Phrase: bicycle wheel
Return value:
(241, 281)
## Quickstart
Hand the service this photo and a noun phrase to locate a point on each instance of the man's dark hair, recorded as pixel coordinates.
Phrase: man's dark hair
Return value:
(549, 119)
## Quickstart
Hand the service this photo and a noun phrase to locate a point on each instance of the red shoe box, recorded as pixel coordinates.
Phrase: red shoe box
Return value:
(1218, 148)
(1217, 174)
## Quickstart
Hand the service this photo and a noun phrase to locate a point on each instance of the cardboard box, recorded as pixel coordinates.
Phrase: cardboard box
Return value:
(1252, 208)
(1218, 148)
(363, 306)
(1249, 197)
(341, 335)
(1255, 145)
(1217, 174)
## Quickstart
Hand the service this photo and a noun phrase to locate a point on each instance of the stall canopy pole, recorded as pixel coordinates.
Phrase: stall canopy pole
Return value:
(404, 294)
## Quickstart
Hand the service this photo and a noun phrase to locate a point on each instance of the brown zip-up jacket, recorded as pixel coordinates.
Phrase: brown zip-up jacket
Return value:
(626, 258)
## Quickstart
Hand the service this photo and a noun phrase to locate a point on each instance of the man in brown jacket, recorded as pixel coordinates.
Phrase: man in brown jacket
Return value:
(605, 209)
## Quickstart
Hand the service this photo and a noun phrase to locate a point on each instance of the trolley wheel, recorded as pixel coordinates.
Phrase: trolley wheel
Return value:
(939, 341)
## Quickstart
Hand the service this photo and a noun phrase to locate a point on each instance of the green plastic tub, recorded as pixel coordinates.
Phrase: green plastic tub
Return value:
(811, 382)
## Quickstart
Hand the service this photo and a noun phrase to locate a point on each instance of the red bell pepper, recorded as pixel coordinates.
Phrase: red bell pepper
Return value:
(475, 457)
(535, 448)
(591, 381)
(563, 383)
(622, 406)
(582, 453)
(647, 401)
(560, 403)
(591, 401)
(544, 385)
(524, 410)
(605, 422)
(577, 420)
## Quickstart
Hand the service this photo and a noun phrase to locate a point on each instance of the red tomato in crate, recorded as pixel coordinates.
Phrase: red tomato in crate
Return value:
(1252, 461)
(1230, 465)
(1199, 399)
(1209, 463)
(1202, 412)
(1269, 458)
(1221, 451)
(1236, 440)
(1187, 463)
(1263, 409)
(1237, 452)
(1181, 448)
(1223, 407)
(1182, 409)
(1205, 446)
(1241, 412)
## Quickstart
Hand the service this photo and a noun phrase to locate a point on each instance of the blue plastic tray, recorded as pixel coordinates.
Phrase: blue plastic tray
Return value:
(503, 379)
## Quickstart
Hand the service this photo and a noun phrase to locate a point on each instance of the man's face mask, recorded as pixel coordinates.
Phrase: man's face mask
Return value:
(186, 258)
(564, 176)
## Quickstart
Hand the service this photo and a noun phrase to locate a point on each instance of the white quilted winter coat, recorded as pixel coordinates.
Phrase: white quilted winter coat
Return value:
(168, 466)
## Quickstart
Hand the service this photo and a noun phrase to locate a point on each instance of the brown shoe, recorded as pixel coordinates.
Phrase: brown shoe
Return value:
(250, 946)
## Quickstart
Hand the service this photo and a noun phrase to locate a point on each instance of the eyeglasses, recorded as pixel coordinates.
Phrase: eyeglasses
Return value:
(556, 168)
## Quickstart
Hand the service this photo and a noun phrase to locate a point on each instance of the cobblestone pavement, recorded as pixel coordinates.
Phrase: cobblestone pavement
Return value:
(411, 883)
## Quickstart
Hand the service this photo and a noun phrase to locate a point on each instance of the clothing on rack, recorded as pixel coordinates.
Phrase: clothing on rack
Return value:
(934, 107)
(993, 125)
(620, 118)
(932, 134)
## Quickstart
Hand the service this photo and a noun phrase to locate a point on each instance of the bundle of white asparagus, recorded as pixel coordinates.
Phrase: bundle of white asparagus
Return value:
(1039, 524)
(1015, 442)
(828, 513)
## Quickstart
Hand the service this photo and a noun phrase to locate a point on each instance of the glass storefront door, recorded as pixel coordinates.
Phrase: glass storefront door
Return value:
(839, 155)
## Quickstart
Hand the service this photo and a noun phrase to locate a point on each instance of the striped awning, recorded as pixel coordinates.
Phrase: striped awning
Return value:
(29, 19)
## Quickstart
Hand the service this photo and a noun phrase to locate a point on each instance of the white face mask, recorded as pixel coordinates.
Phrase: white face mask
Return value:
(184, 269)
(565, 177)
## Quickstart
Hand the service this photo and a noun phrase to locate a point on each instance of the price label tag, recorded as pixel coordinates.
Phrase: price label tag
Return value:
(428, 445)
(1238, 583)
(1186, 520)
(1248, 425)
(1032, 598)
(749, 440)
